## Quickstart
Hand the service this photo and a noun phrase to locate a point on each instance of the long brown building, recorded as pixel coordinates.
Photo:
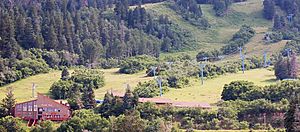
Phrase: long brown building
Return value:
(42, 108)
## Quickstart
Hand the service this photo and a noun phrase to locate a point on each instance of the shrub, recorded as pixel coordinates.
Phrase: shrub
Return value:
(137, 64)
(239, 39)
(236, 90)
(88, 76)
(149, 89)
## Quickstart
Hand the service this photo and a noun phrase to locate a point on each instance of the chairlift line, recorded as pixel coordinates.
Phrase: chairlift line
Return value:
(242, 58)
(159, 82)
(202, 66)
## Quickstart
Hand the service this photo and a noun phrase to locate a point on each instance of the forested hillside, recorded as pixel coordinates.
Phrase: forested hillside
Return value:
(71, 32)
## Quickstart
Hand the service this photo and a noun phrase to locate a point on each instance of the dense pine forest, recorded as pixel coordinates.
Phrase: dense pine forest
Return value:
(72, 32)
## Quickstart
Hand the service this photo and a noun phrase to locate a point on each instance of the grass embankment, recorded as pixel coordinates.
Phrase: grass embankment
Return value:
(222, 28)
(23, 87)
(211, 91)
(114, 81)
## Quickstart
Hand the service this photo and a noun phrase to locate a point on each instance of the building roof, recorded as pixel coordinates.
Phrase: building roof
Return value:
(41, 95)
(157, 100)
(161, 100)
(60, 102)
(118, 94)
(191, 104)
(26, 101)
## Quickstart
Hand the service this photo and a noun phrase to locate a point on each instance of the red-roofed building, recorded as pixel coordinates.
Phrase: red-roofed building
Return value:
(42, 108)
(158, 101)
(191, 105)
(164, 101)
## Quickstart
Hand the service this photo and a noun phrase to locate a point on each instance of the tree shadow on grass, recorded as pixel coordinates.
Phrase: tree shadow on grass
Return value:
(270, 80)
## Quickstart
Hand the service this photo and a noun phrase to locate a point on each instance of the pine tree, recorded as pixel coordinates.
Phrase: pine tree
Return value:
(166, 45)
(107, 105)
(130, 100)
(269, 9)
(294, 67)
(289, 119)
(281, 69)
(9, 101)
(8, 45)
(65, 75)
(277, 22)
(88, 97)
(52, 42)
(29, 37)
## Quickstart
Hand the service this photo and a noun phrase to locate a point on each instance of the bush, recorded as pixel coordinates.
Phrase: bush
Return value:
(109, 63)
(239, 39)
(273, 37)
(237, 89)
(12, 70)
(88, 76)
(61, 89)
(149, 89)
(137, 64)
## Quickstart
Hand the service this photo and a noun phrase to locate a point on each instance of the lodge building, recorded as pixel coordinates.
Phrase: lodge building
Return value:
(42, 108)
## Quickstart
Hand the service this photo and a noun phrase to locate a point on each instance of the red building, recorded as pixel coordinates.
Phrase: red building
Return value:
(42, 108)
(160, 101)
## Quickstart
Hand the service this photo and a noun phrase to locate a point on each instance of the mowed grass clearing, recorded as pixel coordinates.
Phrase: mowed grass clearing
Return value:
(211, 91)
(118, 82)
(114, 81)
(23, 87)
(222, 28)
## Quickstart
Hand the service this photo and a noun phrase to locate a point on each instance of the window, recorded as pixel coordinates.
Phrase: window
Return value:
(49, 109)
(24, 107)
(19, 107)
(30, 108)
(35, 107)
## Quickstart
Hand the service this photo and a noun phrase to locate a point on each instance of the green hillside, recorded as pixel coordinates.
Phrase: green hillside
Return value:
(211, 91)
(114, 81)
(222, 28)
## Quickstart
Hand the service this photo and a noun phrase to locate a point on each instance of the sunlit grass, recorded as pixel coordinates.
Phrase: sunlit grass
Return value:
(211, 91)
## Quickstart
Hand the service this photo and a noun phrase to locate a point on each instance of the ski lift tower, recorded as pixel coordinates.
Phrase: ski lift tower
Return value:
(153, 70)
(159, 82)
(33, 90)
(265, 59)
(202, 66)
(242, 58)
(290, 18)
(288, 52)
(170, 65)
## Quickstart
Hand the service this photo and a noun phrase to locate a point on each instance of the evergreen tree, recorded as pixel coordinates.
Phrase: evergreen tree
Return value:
(9, 101)
(65, 75)
(130, 100)
(269, 9)
(106, 108)
(281, 69)
(294, 67)
(8, 45)
(290, 118)
(277, 22)
(52, 42)
(88, 97)
(166, 45)
(286, 68)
